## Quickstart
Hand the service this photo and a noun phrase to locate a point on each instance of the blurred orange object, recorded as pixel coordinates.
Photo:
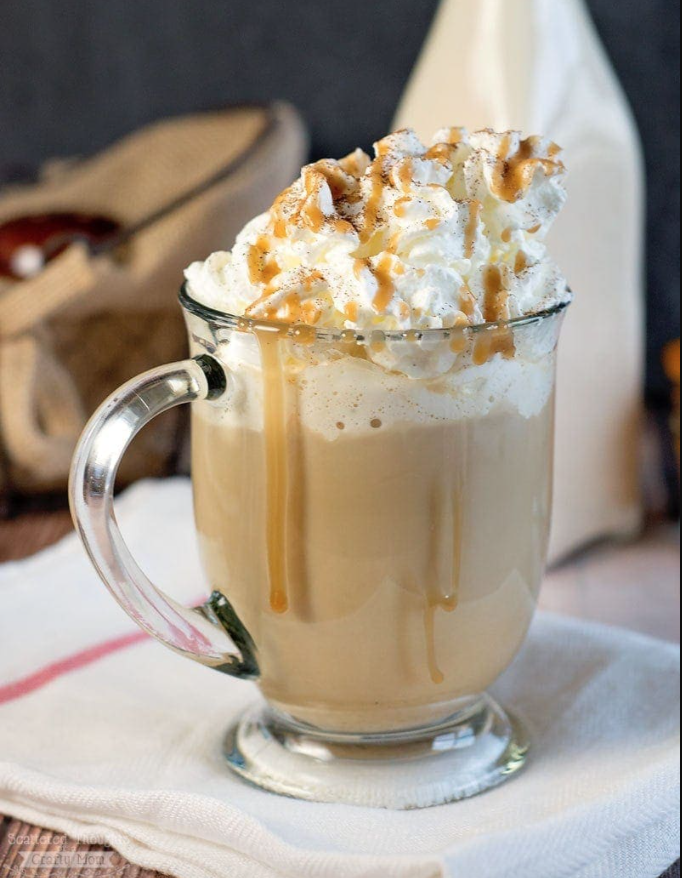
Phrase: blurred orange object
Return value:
(671, 361)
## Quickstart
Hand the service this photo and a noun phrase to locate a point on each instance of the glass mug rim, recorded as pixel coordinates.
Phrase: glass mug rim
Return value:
(226, 320)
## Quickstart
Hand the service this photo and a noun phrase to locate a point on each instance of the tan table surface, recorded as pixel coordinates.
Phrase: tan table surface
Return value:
(636, 586)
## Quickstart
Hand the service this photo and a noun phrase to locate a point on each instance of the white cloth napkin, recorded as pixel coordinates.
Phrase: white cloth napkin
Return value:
(110, 738)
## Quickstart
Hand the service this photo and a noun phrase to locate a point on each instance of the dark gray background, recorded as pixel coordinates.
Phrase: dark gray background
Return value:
(75, 74)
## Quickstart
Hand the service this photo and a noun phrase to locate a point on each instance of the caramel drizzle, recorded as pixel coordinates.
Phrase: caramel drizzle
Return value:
(350, 164)
(521, 263)
(336, 178)
(311, 279)
(373, 206)
(467, 302)
(400, 208)
(441, 152)
(458, 343)
(378, 342)
(382, 272)
(394, 243)
(277, 474)
(306, 210)
(496, 295)
(291, 309)
(311, 212)
(295, 311)
(352, 311)
(475, 209)
(514, 174)
(292, 208)
(432, 224)
(456, 136)
(278, 219)
(443, 587)
(459, 340)
(343, 226)
(405, 174)
(499, 340)
(262, 267)
(359, 267)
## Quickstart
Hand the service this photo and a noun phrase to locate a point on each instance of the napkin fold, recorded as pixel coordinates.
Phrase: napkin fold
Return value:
(108, 737)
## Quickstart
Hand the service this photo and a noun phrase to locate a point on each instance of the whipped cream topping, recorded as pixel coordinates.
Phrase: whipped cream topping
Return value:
(418, 238)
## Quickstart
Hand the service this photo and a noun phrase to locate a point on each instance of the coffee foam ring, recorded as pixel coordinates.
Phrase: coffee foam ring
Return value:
(358, 394)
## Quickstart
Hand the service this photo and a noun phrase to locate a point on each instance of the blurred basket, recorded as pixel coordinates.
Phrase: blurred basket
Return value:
(89, 322)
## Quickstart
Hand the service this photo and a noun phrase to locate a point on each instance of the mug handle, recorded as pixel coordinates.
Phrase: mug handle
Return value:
(212, 634)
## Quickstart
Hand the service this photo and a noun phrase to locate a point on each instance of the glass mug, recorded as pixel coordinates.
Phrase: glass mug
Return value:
(373, 512)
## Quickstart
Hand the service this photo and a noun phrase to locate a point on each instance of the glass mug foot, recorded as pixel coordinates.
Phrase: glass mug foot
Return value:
(473, 751)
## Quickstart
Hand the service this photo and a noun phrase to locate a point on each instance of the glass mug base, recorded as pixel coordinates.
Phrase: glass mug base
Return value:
(472, 751)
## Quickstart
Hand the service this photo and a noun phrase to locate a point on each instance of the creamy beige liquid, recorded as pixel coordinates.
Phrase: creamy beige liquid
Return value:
(383, 574)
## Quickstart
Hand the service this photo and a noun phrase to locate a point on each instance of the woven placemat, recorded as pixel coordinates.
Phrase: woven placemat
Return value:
(18, 840)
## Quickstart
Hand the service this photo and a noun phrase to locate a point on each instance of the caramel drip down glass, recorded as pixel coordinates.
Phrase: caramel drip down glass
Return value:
(374, 537)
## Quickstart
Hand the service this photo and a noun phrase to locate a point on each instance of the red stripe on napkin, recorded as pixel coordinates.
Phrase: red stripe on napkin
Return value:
(76, 662)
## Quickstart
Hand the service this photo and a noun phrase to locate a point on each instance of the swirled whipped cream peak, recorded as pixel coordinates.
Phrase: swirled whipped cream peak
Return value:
(420, 237)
